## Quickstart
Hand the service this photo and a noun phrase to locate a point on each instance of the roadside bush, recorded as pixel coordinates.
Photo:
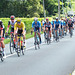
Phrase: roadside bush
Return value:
(27, 21)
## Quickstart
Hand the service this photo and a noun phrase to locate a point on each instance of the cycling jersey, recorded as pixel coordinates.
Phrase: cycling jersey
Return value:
(36, 26)
(42, 23)
(70, 25)
(2, 28)
(61, 23)
(47, 24)
(64, 23)
(20, 27)
(52, 24)
(1, 25)
(56, 24)
(11, 23)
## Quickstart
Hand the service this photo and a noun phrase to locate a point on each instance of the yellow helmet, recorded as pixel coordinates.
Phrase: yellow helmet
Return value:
(18, 20)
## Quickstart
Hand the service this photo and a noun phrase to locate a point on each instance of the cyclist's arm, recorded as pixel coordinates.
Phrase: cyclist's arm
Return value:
(51, 27)
(32, 26)
(15, 29)
(8, 26)
(40, 27)
(1, 32)
(44, 26)
(54, 25)
(23, 29)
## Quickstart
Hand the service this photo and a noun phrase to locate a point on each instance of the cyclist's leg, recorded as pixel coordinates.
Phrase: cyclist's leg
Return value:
(24, 39)
(54, 33)
(49, 32)
(58, 33)
(39, 35)
(3, 46)
(2, 42)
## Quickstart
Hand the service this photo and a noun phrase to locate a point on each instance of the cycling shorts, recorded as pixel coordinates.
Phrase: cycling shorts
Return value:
(12, 30)
(20, 31)
(48, 28)
(36, 29)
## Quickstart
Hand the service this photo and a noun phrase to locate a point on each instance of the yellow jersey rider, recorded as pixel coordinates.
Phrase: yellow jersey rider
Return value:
(19, 28)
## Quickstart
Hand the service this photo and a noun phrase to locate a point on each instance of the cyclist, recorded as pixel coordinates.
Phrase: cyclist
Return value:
(12, 23)
(2, 37)
(64, 24)
(19, 28)
(62, 27)
(37, 27)
(70, 25)
(53, 31)
(48, 26)
(57, 26)
(42, 22)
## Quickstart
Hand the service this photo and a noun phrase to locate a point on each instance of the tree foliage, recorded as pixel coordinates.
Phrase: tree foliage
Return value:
(28, 8)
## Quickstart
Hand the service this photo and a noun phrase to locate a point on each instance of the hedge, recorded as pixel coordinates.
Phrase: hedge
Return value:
(27, 21)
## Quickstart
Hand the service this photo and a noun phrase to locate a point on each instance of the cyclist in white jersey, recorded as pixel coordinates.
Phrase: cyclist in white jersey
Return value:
(12, 23)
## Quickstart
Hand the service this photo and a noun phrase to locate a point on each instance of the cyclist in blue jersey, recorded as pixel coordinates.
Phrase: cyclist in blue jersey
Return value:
(62, 27)
(36, 25)
(53, 32)
(57, 26)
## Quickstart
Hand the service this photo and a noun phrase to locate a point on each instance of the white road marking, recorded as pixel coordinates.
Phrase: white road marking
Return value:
(26, 50)
(30, 48)
(73, 72)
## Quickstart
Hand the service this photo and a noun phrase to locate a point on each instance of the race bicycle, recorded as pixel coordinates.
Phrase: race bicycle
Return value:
(37, 41)
(20, 48)
(71, 32)
(12, 43)
(47, 37)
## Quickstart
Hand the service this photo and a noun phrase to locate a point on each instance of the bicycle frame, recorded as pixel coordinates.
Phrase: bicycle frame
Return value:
(20, 40)
(37, 41)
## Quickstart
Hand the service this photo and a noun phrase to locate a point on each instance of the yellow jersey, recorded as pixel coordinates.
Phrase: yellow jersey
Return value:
(22, 26)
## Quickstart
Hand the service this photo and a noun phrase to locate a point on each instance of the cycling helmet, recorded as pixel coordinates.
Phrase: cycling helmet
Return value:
(35, 19)
(56, 18)
(12, 17)
(47, 19)
(18, 20)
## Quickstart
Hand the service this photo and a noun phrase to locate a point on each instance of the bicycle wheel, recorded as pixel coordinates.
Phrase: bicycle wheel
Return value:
(18, 48)
(11, 46)
(38, 43)
(48, 39)
(18, 52)
(23, 50)
(35, 43)
(2, 59)
(1, 56)
(71, 33)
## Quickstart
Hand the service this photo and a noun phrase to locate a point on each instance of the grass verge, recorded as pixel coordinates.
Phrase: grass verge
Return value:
(28, 35)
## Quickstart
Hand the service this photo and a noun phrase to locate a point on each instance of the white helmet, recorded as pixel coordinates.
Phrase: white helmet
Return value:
(36, 19)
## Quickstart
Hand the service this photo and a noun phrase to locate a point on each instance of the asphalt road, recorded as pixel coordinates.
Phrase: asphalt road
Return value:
(54, 59)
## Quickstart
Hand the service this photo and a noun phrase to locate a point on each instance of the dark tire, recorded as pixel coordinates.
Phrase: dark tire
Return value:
(22, 52)
(11, 46)
(2, 59)
(38, 47)
(35, 47)
(18, 54)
